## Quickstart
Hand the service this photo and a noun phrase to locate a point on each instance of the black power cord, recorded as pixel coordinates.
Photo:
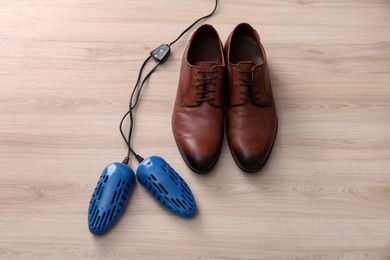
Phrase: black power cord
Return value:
(159, 55)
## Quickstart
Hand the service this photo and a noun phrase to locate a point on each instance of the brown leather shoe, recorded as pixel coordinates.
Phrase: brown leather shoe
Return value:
(198, 114)
(251, 116)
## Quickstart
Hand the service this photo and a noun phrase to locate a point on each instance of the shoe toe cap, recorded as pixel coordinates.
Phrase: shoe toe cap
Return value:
(251, 155)
(251, 161)
(200, 156)
(201, 164)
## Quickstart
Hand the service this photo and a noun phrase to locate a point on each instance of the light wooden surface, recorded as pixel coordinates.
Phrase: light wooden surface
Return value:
(67, 68)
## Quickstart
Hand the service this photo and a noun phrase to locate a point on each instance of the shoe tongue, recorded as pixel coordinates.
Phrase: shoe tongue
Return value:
(247, 65)
(205, 65)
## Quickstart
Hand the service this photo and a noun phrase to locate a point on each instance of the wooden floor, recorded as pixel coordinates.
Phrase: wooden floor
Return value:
(67, 68)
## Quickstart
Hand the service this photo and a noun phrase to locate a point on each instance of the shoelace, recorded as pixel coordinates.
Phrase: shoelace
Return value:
(250, 94)
(204, 82)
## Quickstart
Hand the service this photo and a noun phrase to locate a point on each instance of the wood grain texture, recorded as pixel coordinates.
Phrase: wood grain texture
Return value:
(66, 71)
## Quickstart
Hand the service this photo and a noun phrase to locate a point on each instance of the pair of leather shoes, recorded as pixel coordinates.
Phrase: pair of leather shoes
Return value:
(211, 91)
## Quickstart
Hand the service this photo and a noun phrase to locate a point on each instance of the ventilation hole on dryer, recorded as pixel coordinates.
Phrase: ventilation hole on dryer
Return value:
(170, 205)
(173, 176)
(94, 209)
(98, 221)
(103, 216)
(94, 216)
(174, 202)
(191, 201)
(153, 177)
(162, 187)
(113, 197)
(175, 181)
(93, 204)
(101, 192)
(98, 188)
(121, 204)
(181, 205)
(112, 213)
(91, 214)
(106, 218)
(186, 191)
(157, 187)
(119, 183)
(119, 194)
(164, 168)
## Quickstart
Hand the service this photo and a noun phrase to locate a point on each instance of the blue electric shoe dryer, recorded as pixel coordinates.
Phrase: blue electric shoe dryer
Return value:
(166, 186)
(116, 183)
(110, 197)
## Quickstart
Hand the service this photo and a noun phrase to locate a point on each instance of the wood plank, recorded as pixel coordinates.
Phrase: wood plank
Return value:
(67, 69)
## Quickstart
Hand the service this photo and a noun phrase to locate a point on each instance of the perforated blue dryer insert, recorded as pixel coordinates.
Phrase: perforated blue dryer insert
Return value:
(110, 197)
(166, 186)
